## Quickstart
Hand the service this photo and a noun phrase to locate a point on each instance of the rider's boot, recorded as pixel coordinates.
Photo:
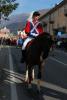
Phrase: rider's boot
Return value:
(23, 56)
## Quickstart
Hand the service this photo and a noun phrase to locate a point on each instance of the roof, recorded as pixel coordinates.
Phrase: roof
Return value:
(54, 8)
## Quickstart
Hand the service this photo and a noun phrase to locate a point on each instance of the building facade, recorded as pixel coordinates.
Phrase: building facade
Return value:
(55, 20)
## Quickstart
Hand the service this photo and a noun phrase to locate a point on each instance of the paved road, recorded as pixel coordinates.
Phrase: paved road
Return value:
(53, 84)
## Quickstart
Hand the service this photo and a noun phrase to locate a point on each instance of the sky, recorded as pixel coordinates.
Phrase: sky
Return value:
(27, 6)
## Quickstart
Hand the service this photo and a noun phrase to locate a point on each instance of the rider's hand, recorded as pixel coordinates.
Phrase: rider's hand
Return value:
(34, 34)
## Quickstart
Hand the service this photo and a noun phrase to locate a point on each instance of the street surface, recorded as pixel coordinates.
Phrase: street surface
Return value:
(53, 83)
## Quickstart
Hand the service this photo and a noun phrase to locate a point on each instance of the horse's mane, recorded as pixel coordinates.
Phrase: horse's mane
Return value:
(40, 40)
(43, 37)
(44, 34)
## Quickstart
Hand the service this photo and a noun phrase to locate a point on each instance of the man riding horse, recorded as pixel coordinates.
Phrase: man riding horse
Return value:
(32, 29)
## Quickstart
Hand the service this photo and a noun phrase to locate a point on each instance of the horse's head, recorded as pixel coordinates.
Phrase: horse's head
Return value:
(45, 38)
(45, 41)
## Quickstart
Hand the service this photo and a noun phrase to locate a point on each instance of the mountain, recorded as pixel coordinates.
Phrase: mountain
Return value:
(17, 22)
(43, 11)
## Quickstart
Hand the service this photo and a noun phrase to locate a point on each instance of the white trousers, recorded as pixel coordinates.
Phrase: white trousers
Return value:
(25, 42)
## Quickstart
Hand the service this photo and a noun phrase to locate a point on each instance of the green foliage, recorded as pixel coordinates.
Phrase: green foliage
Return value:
(7, 6)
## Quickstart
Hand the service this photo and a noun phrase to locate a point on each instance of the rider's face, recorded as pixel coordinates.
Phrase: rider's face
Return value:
(35, 18)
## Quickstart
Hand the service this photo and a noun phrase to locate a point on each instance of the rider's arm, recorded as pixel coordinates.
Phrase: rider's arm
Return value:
(27, 28)
(40, 28)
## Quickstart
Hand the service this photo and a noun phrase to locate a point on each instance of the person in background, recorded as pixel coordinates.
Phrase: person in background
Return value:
(33, 28)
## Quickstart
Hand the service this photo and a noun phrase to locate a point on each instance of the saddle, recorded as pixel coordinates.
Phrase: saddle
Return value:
(29, 44)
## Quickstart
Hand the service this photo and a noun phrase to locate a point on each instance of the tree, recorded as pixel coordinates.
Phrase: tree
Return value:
(7, 7)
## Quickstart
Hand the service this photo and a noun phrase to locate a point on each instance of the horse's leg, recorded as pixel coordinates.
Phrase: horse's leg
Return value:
(29, 75)
(42, 67)
(40, 74)
(30, 70)
(33, 73)
(26, 77)
(40, 70)
(39, 77)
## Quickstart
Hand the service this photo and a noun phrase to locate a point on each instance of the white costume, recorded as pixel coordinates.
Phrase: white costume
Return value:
(30, 38)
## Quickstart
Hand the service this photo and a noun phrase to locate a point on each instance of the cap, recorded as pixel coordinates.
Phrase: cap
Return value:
(36, 13)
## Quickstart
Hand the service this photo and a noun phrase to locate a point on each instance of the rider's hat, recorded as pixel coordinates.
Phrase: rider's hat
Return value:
(36, 13)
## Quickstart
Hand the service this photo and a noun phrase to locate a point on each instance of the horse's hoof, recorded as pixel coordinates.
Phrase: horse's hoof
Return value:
(26, 80)
(38, 91)
(25, 84)
(29, 86)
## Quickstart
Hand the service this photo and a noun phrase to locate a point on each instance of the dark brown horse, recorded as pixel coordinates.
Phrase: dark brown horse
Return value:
(36, 52)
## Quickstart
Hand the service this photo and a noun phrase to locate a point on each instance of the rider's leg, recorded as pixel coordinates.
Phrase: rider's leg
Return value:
(23, 48)
(23, 56)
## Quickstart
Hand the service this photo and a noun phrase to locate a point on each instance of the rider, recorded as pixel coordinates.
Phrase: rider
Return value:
(33, 28)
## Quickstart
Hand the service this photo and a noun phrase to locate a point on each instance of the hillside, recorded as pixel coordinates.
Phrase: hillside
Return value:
(17, 22)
